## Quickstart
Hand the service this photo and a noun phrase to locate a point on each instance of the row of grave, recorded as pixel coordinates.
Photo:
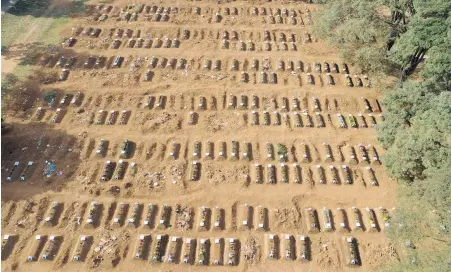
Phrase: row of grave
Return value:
(176, 250)
(265, 46)
(183, 218)
(292, 20)
(190, 33)
(228, 101)
(254, 65)
(281, 173)
(263, 77)
(162, 14)
(146, 43)
(175, 43)
(221, 102)
(266, 118)
(154, 8)
(114, 116)
(255, 11)
(254, 102)
(217, 18)
(270, 173)
(257, 118)
(160, 103)
(245, 150)
(251, 65)
(135, 43)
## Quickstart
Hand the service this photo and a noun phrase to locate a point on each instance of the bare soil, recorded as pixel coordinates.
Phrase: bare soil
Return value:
(161, 178)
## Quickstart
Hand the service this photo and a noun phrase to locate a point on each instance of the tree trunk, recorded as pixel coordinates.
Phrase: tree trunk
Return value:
(414, 60)
(398, 23)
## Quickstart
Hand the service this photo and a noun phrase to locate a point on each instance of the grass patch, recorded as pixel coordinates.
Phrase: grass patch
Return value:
(16, 29)
(18, 75)
(22, 71)
(13, 26)
(38, 23)
(50, 32)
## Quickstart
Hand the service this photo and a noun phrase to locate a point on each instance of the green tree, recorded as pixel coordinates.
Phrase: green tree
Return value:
(400, 106)
(422, 34)
(8, 82)
(407, 35)
(357, 30)
(404, 30)
(437, 68)
(424, 144)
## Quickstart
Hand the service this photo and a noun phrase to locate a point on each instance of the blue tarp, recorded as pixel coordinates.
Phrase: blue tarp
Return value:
(51, 167)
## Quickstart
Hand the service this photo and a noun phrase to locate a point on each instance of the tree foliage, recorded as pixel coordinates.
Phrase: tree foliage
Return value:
(400, 106)
(356, 29)
(8, 82)
(400, 32)
(407, 36)
(417, 133)
(437, 68)
(424, 144)
(427, 30)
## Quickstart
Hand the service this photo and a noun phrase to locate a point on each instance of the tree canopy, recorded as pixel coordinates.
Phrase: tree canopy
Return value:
(400, 32)
(410, 39)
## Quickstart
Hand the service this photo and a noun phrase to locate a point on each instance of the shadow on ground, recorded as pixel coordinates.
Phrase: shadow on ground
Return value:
(37, 143)
(47, 8)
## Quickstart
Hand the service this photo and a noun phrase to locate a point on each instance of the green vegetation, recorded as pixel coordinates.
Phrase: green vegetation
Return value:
(282, 151)
(12, 25)
(357, 30)
(37, 21)
(11, 80)
(381, 35)
(408, 39)
(28, 29)
(8, 82)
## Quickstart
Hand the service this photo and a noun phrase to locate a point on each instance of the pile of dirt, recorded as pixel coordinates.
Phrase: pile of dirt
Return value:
(221, 121)
(69, 218)
(226, 174)
(162, 122)
(155, 180)
(183, 217)
(287, 218)
(82, 117)
(328, 256)
(109, 247)
(131, 79)
(376, 254)
(177, 172)
(251, 250)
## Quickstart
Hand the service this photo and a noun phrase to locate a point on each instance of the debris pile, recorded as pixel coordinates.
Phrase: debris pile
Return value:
(109, 248)
(49, 168)
(251, 250)
(154, 179)
(184, 216)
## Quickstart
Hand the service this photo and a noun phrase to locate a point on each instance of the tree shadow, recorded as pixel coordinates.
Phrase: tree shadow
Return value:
(55, 155)
(21, 94)
(26, 143)
(37, 53)
(48, 8)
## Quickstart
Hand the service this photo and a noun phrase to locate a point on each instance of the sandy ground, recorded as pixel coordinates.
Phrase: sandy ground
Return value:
(162, 179)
